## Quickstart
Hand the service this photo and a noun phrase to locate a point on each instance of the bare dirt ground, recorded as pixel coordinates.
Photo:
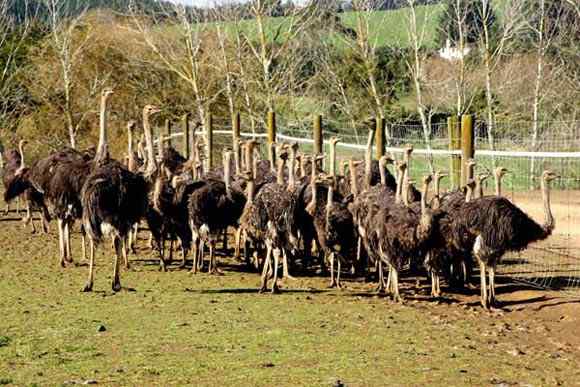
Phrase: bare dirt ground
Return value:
(175, 329)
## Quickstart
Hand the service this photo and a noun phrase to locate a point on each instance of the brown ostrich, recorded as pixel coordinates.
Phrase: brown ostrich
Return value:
(402, 233)
(113, 201)
(494, 226)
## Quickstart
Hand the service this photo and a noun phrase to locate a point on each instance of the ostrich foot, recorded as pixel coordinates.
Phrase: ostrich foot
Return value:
(116, 286)
(275, 289)
(263, 289)
(88, 288)
(288, 276)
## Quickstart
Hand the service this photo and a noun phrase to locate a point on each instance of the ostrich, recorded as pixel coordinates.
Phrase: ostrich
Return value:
(339, 232)
(495, 226)
(16, 179)
(12, 165)
(402, 233)
(269, 217)
(212, 208)
(113, 200)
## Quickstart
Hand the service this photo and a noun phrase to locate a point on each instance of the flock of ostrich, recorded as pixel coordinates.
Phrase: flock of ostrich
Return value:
(286, 210)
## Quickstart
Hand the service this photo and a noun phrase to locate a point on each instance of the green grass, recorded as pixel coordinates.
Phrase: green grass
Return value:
(178, 329)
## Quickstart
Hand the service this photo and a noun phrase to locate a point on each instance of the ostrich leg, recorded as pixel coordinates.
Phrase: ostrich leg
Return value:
(45, 217)
(116, 284)
(395, 284)
(338, 270)
(89, 285)
(200, 252)
(61, 246)
(125, 255)
(225, 240)
(67, 226)
(237, 247)
(195, 248)
(276, 254)
(285, 272)
(83, 242)
(484, 296)
(266, 268)
(381, 277)
(492, 300)
(332, 280)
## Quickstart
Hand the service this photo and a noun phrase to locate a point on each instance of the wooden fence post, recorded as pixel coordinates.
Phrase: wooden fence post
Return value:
(271, 128)
(185, 144)
(236, 128)
(380, 137)
(318, 146)
(454, 144)
(467, 146)
(168, 132)
(209, 141)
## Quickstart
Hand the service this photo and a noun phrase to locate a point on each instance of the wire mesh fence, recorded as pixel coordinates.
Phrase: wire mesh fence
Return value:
(524, 149)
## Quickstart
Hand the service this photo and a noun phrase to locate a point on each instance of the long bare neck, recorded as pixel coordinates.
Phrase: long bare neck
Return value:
(329, 196)
(469, 193)
(497, 185)
(311, 207)
(250, 191)
(549, 222)
(21, 150)
(301, 169)
(383, 172)
(406, 187)
(227, 173)
(398, 193)
(151, 162)
(280, 172)
(333, 158)
(353, 179)
(291, 167)
(102, 147)
(130, 154)
(368, 159)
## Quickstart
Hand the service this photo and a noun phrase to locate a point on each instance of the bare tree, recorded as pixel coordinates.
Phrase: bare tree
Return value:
(492, 48)
(13, 36)
(69, 43)
(415, 64)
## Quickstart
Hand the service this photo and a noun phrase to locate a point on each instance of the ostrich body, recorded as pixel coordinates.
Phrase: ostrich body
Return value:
(212, 208)
(16, 179)
(493, 226)
(270, 218)
(403, 234)
(113, 200)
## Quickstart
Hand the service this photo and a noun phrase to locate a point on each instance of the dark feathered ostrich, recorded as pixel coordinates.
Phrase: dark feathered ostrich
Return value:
(113, 200)
(16, 179)
(269, 219)
(494, 226)
(403, 234)
(212, 208)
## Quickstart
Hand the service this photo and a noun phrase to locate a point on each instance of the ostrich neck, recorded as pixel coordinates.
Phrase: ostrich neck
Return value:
(21, 149)
(399, 190)
(130, 141)
(478, 188)
(102, 147)
(368, 158)
(291, 166)
(383, 172)
(406, 187)
(353, 180)
(151, 162)
(250, 191)
(227, 174)
(469, 193)
(249, 157)
(237, 157)
(497, 186)
(549, 222)
(333, 159)
(329, 197)
(301, 167)
(437, 187)
(280, 172)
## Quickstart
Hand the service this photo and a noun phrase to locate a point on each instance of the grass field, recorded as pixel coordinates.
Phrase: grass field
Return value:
(175, 329)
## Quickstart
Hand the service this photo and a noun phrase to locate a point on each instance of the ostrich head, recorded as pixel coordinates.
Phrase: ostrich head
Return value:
(383, 161)
(500, 172)
(150, 110)
(131, 124)
(549, 175)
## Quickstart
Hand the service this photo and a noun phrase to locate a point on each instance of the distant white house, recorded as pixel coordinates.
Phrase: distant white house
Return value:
(453, 53)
